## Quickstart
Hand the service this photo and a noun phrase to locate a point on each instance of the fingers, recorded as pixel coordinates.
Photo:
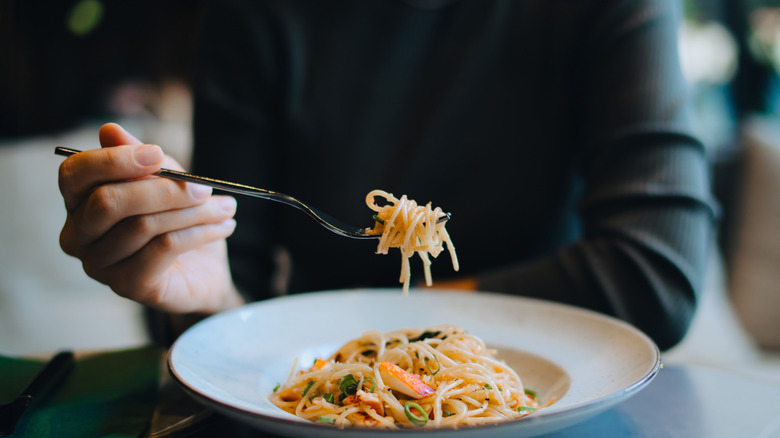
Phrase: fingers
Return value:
(80, 173)
(109, 204)
(111, 134)
(123, 157)
(132, 234)
(152, 239)
(145, 277)
(103, 187)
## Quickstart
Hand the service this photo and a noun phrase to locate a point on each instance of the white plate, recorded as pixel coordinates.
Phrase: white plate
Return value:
(587, 361)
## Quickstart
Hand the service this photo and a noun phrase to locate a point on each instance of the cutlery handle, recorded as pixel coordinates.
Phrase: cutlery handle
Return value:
(51, 373)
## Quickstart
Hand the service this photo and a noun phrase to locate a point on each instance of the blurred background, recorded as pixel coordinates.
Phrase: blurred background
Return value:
(67, 66)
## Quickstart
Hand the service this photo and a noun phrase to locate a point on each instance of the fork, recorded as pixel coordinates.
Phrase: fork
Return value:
(322, 218)
(50, 374)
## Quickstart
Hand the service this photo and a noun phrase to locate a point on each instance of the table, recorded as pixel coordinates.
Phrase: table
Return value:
(683, 401)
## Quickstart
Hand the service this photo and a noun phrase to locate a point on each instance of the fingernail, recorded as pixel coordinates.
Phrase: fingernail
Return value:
(228, 205)
(147, 155)
(199, 191)
(229, 223)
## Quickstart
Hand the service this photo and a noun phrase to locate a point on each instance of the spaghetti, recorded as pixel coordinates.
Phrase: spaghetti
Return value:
(437, 377)
(412, 228)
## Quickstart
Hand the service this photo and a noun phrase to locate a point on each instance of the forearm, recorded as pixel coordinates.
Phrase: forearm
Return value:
(655, 291)
(647, 230)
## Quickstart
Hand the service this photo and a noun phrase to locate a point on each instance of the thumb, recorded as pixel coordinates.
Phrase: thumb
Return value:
(111, 134)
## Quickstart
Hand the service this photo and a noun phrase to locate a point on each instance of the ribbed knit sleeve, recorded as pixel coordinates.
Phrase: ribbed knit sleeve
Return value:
(645, 206)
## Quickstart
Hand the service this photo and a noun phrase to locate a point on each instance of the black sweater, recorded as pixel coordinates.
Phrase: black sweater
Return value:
(556, 132)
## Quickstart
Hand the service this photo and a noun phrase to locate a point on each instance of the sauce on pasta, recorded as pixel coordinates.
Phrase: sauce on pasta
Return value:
(435, 377)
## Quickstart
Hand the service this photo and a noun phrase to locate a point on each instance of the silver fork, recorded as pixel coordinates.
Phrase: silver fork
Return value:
(322, 218)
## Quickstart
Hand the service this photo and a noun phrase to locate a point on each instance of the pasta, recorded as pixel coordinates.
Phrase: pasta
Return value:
(437, 377)
(412, 228)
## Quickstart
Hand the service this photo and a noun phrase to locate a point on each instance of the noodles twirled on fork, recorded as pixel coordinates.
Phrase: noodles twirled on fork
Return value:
(413, 229)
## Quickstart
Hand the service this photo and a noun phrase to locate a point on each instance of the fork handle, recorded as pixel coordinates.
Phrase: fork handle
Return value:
(211, 182)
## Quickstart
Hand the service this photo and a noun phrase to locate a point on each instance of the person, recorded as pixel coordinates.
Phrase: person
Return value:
(557, 134)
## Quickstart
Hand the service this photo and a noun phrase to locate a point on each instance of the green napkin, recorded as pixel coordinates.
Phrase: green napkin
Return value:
(105, 395)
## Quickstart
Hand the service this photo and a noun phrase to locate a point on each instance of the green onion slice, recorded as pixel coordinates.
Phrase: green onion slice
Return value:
(525, 408)
(378, 219)
(348, 385)
(373, 381)
(531, 393)
(323, 419)
(276, 388)
(416, 419)
(328, 397)
(306, 389)
(438, 365)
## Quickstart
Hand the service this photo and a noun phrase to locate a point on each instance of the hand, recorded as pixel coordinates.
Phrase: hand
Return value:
(153, 240)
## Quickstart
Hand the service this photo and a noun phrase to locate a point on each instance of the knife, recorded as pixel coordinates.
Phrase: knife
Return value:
(50, 374)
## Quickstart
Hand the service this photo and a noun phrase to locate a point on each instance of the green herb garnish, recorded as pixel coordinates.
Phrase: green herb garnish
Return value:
(425, 335)
(525, 408)
(419, 418)
(438, 365)
(306, 389)
(373, 380)
(323, 419)
(348, 385)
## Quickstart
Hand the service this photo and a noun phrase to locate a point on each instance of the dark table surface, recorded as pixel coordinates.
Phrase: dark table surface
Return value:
(682, 401)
